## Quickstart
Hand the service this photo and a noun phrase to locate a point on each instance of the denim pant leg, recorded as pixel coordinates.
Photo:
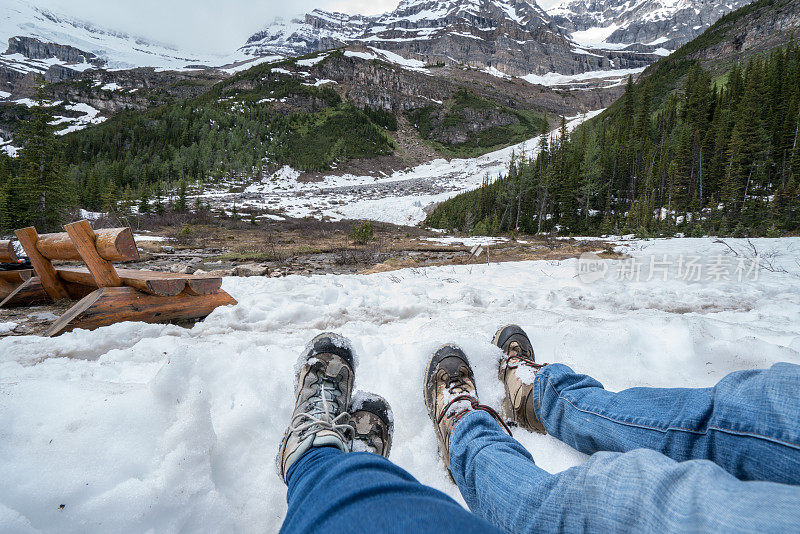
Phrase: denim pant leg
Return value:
(360, 492)
(637, 491)
(749, 423)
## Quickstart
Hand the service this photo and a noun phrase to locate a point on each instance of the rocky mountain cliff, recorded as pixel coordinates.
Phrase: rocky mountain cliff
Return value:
(665, 23)
(515, 37)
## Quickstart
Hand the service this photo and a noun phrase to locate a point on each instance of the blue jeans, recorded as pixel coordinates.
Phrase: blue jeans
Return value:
(748, 426)
(361, 492)
(723, 459)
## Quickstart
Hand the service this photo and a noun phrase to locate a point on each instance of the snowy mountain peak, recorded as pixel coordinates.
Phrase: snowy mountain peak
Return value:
(22, 18)
(515, 37)
(667, 23)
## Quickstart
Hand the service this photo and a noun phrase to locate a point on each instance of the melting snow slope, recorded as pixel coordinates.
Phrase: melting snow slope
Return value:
(399, 198)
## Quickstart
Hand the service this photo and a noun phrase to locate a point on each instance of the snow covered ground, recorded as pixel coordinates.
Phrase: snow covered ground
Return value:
(399, 198)
(139, 427)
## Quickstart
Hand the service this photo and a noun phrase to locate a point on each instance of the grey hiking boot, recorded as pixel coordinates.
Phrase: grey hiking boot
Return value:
(324, 387)
(517, 371)
(373, 423)
(450, 394)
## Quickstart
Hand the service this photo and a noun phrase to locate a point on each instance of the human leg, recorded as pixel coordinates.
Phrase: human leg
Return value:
(331, 489)
(749, 423)
(361, 492)
(637, 491)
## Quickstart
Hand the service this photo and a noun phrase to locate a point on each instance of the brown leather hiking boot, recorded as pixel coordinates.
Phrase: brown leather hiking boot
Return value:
(517, 371)
(324, 387)
(450, 394)
(373, 423)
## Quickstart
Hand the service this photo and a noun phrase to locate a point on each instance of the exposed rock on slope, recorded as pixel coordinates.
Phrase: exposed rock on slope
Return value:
(665, 23)
(513, 36)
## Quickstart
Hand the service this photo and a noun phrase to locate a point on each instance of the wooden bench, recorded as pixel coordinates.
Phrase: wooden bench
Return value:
(10, 280)
(107, 295)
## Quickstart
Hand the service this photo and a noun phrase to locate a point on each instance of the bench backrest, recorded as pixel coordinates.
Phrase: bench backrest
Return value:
(97, 249)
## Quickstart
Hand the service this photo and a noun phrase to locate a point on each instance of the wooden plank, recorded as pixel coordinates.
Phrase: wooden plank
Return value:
(113, 244)
(44, 269)
(110, 305)
(141, 280)
(28, 293)
(83, 237)
(7, 254)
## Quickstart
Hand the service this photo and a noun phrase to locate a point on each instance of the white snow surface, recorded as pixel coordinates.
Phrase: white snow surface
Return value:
(552, 79)
(137, 427)
(399, 198)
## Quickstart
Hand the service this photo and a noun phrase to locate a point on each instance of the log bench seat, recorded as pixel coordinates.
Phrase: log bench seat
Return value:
(107, 294)
(158, 283)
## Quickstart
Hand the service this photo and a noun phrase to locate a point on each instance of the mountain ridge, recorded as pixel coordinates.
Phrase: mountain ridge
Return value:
(665, 23)
(515, 37)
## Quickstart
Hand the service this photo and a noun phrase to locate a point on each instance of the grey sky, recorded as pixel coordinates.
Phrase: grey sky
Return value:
(210, 26)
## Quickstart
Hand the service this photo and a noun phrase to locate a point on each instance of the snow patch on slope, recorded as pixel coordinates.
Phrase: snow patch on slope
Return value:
(552, 79)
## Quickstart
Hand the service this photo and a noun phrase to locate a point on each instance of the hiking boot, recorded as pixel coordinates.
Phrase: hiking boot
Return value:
(324, 387)
(517, 371)
(373, 424)
(450, 394)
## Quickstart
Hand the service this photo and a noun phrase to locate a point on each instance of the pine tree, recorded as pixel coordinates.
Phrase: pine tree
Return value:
(144, 199)
(158, 193)
(39, 194)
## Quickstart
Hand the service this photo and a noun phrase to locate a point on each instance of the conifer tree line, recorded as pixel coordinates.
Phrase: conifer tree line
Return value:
(145, 161)
(718, 157)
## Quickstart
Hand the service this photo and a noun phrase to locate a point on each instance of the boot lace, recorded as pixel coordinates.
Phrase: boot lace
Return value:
(517, 355)
(474, 405)
(320, 416)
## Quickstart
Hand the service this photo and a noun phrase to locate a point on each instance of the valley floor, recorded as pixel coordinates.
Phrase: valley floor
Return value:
(136, 427)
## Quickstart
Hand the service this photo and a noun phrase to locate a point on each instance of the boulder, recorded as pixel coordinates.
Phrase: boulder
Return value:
(250, 269)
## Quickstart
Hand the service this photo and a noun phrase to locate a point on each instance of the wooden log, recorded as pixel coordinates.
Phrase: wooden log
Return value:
(27, 293)
(7, 254)
(141, 280)
(10, 280)
(15, 276)
(203, 286)
(110, 305)
(6, 288)
(113, 244)
(44, 269)
(83, 237)
(195, 284)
